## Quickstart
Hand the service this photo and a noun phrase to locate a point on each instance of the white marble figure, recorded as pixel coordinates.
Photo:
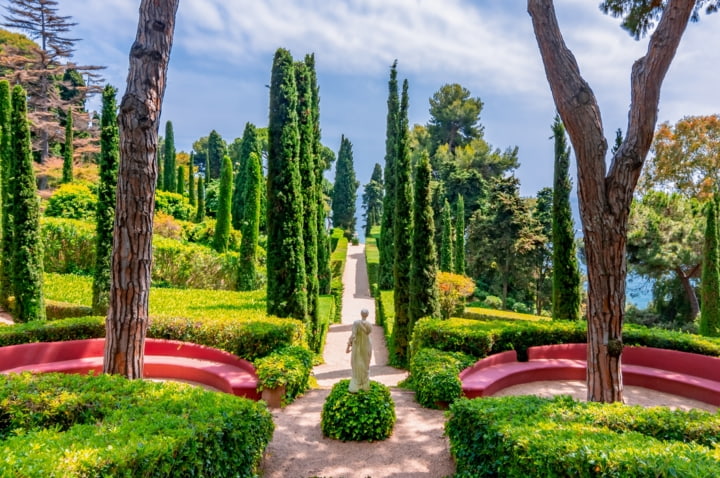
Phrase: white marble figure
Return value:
(361, 347)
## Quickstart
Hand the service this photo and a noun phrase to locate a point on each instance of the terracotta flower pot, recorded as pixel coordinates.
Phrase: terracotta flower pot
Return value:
(273, 396)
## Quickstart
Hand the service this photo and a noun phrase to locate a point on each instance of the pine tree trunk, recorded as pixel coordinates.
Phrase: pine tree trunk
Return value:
(139, 117)
(689, 292)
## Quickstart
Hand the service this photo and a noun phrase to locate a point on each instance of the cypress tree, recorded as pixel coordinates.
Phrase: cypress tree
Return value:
(566, 295)
(250, 224)
(169, 179)
(710, 280)
(402, 228)
(373, 199)
(460, 236)
(28, 255)
(191, 180)
(249, 145)
(200, 214)
(159, 164)
(105, 212)
(424, 294)
(387, 235)
(446, 243)
(215, 154)
(6, 169)
(345, 189)
(285, 249)
(181, 180)
(222, 226)
(306, 166)
(207, 166)
(68, 150)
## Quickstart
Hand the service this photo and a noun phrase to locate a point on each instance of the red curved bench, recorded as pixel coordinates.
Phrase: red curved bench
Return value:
(680, 373)
(166, 359)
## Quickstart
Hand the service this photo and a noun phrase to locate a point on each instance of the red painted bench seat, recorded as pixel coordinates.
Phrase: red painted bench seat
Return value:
(166, 359)
(680, 373)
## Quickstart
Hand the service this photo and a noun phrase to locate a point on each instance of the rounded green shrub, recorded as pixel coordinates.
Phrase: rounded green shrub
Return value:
(434, 375)
(287, 367)
(173, 204)
(368, 415)
(72, 201)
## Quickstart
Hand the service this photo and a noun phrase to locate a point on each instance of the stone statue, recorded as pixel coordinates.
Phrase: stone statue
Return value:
(361, 347)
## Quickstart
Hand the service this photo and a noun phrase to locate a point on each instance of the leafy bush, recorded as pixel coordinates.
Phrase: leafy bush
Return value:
(368, 415)
(74, 425)
(434, 376)
(203, 233)
(173, 204)
(337, 267)
(385, 314)
(531, 436)
(181, 264)
(72, 201)
(372, 259)
(482, 313)
(493, 302)
(68, 245)
(287, 367)
(454, 289)
(167, 226)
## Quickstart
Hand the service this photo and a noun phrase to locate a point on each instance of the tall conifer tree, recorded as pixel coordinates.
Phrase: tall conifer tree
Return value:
(285, 249)
(446, 242)
(710, 280)
(180, 187)
(69, 150)
(307, 168)
(6, 167)
(566, 274)
(250, 224)
(200, 214)
(222, 226)
(372, 199)
(249, 145)
(460, 236)
(424, 294)
(169, 179)
(345, 189)
(387, 235)
(105, 212)
(28, 254)
(215, 153)
(402, 228)
(191, 180)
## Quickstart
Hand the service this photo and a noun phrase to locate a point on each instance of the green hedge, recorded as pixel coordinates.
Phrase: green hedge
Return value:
(531, 436)
(372, 259)
(385, 314)
(68, 245)
(337, 267)
(434, 376)
(73, 425)
(289, 367)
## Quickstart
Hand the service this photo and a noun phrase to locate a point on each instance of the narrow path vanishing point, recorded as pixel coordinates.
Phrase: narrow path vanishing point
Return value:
(417, 447)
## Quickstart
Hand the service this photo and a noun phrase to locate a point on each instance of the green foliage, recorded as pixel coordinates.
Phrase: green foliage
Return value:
(222, 227)
(385, 316)
(248, 145)
(453, 290)
(286, 280)
(69, 245)
(424, 292)
(454, 117)
(386, 243)
(200, 212)
(27, 248)
(372, 199)
(288, 367)
(710, 282)
(337, 266)
(434, 376)
(173, 204)
(72, 201)
(68, 150)
(180, 189)
(216, 151)
(446, 243)
(192, 192)
(368, 415)
(179, 264)
(169, 178)
(459, 263)
(133, 427)
(6, 172)
(372, 258)
(250, 224)
(531, 436)
(105, 212)
(344, 189)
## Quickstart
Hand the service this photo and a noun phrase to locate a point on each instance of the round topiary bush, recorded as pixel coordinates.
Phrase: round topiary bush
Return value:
(368, 415)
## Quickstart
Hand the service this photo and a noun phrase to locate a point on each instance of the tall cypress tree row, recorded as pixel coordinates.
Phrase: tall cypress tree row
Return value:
(169, 179)
(28, 254)
(222, 226)
(446, 242)
(215, 154)
(200, 214)
(68, 150)
(345, 189)
(285, 249)
(710, 280)
(105, 212)
(566, 294)
(191, 179)
(424, 294)
(402, 228)
(180, 180)
(460, 236)
(306, 152)
(6, 167)
(249, 145)
(250, 224)
(387, 235)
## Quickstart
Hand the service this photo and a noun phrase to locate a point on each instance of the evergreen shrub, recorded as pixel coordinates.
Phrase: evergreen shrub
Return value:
(524, 436)
(287, 367)
(372, 259)
(337, 267)
(74, 425)
(173, 204)
(72, 201)
(434, 376)
(368, 415)
(69, 245)
(186, 265)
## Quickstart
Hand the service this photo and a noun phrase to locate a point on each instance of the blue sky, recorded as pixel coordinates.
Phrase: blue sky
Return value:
(223, 50)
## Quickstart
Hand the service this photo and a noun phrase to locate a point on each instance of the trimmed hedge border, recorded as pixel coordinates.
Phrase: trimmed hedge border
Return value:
(75, 425)
(372, 259)
(337, 268)
(530, 436)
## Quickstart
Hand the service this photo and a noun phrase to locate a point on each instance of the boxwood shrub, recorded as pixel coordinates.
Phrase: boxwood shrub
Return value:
(531, 436)
(287, 367)
(73, 425)
(434, 376)
(68, 245)
(368, 415)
